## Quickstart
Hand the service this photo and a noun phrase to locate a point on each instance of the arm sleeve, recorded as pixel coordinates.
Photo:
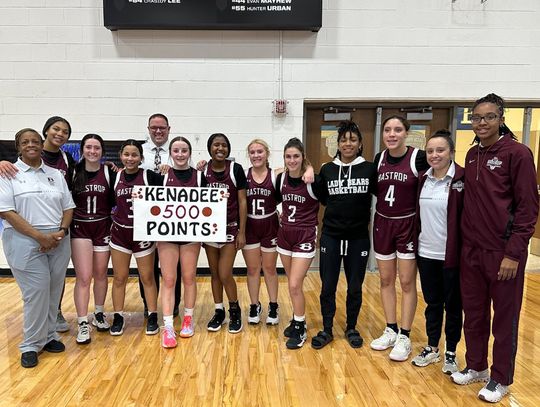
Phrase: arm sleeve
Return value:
(204, 181)
(373, 180)
(421, 161)
(376, 160)
(71, 169)
(279, 198)
(320, 189)
(240, 176)
(525, 202)
(155, 179)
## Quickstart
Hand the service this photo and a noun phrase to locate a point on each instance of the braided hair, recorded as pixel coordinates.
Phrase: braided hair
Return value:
(498, 101)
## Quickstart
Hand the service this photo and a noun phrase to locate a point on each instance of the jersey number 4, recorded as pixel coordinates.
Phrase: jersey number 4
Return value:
(389, 197)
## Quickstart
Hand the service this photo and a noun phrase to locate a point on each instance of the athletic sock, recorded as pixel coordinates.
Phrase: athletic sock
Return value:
(99, 308)
(300, 318)
(393, 327)
(168, 320)
(188, 312)
(82, 319)
(219, 305)
(405, 332)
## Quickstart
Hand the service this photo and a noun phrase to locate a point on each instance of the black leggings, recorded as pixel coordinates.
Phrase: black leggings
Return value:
(355, 256)
(440, 287)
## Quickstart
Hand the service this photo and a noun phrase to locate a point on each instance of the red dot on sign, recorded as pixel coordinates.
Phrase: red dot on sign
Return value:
(155, 210)
(221, 192)
(207, 211)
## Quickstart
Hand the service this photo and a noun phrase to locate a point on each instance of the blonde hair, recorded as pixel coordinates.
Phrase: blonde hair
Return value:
(265, 146)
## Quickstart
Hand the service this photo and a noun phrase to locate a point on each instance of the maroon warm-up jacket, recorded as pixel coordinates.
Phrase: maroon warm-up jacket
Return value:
(501, 198)
(454, 209)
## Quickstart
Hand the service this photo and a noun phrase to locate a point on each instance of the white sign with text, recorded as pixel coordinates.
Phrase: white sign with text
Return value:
(177, 214)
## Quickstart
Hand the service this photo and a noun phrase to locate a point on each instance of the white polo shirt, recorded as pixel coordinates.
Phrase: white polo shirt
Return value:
(40, 196)
(434, 214)
(149, 152)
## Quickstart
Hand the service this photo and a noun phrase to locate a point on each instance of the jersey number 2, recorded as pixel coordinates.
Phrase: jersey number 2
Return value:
(290, 218)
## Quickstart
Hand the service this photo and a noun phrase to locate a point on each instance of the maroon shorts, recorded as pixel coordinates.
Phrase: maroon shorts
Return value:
(262, 233)
(232, 232)
(98, 231)
(297, 241)
(394, 237)
(122, 240)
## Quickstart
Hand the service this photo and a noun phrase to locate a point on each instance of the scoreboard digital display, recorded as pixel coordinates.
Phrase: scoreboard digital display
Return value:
(213, 14)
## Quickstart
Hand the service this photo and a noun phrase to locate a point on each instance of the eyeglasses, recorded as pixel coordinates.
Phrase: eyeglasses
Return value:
(156, 128)
(488, 118)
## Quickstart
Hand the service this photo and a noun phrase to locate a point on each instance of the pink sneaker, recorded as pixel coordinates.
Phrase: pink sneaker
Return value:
(187, 327)
(168, 337)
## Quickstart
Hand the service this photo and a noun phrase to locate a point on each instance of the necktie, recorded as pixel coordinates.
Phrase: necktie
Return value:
(157, 159)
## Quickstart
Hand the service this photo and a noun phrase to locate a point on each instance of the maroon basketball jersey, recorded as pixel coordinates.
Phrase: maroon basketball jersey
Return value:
(171, 180)
(397, 185)
(227, 181)
(299, 205)
(94, 201)
(123, 213)
(261, 198)
(61, 164)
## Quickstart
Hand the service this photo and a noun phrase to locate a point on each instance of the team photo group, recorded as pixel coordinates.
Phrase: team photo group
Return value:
(464, 230)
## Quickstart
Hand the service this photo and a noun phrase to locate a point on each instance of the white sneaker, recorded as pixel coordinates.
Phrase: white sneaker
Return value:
(468, 376)
(426, 357)
(402, 349)
(385, 341)
(450, 363)
(492, 392)
(83, 334)
(100, 322)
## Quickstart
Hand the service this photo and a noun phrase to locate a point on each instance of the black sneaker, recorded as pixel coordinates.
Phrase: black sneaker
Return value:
(117, 327)
(54, 346)
(273, 314)
(152, 326)
(287, 332)
(29, 359)
(254, 313)
(217, 320)
(298, 335)
(235, 320)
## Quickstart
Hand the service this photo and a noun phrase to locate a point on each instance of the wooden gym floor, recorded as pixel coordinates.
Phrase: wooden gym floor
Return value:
(252, 368)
